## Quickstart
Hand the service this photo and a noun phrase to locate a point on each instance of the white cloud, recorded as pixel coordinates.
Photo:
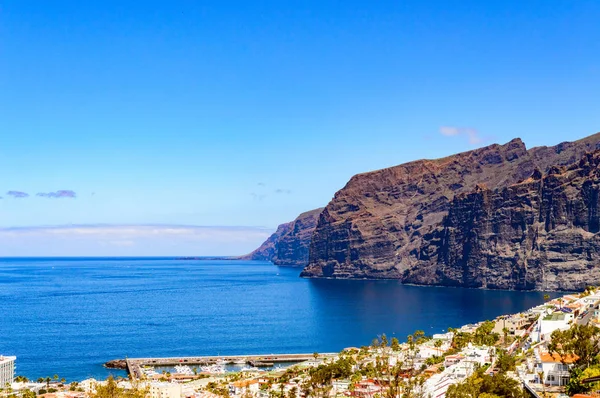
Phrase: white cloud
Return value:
(471, 134)
(449, 131)
(137, 240)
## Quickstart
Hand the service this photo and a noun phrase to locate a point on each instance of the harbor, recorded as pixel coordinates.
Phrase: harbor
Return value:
(135, 367)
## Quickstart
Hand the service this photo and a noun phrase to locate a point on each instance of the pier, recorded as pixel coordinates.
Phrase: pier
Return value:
(134, 365)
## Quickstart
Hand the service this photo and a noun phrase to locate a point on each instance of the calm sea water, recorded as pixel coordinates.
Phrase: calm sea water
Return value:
(69, 316)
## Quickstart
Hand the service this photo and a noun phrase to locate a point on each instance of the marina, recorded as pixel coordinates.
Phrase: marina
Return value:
(139, 368)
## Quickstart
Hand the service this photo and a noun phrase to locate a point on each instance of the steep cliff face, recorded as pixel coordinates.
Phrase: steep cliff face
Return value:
(538, 234)
(267, 250)
(289, 245)
(386, 224)
(293, 245)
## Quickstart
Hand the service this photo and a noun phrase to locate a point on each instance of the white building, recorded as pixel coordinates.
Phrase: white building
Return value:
(547, 324)
(555, 372)
(244, 387)
(165, 390)
(7, 370)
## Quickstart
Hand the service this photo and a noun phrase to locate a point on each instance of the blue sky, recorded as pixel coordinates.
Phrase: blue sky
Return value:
(244, 114)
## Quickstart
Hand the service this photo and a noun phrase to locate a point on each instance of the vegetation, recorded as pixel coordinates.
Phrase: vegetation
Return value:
(482, 336)
(110, 389)
(486, 386)
(505, 362)
(582, 341)
(582, 344)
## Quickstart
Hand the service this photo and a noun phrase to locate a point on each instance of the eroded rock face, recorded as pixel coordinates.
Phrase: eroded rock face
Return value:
(407, 222)
(266, 251)
(289, 245)
(292, 247)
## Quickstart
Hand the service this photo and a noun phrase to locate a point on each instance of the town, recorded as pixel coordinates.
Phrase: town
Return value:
(552, 350)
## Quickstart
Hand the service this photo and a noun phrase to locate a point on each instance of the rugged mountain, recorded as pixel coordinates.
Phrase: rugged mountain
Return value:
(292, 246)
(387, 223)
(290, 243)
(267, 250)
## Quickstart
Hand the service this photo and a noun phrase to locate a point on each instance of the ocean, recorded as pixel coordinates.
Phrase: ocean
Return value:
(68, 316)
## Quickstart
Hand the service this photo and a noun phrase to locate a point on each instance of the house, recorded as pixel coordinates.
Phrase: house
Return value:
(244, 386)
(89, 385)
(165, 390)
(554, 368)
(548, 323)
(511, 323)
(366, 389)
(478, 355)
(452, 360)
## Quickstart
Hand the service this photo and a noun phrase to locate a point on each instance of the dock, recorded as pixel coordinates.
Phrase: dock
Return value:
(134, 365)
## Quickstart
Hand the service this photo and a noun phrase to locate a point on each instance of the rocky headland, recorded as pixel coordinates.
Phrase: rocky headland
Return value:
(289, 244)
(500, 216)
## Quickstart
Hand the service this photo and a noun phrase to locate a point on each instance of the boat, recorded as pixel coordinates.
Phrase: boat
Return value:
(250, 369)
(217, 369)
(149, 371)
(183, 369)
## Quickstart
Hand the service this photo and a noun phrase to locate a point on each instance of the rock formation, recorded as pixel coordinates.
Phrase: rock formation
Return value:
(289, 245)
(454, 221)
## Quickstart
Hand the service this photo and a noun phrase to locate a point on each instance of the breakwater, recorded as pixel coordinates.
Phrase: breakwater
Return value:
(134, 365)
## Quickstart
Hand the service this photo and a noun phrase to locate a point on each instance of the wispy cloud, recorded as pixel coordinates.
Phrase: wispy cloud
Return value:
(159, 239)
(133, 230)
(261, 184)
(58, 194)
(280, 190)
(17, 194)
(257, 196)
(471, 134)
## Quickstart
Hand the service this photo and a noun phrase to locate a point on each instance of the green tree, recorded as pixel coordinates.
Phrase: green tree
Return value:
(581, 342)
(383, 340)
(395, 345)
(575, 384)
(483, 334)
(496, 385)
(111, 390)
(505, 362)
(27, 394)
(438, 345)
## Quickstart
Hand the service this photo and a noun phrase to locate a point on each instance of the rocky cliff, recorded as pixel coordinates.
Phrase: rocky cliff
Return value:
(289, 245)
(391, 223)
(267, 250)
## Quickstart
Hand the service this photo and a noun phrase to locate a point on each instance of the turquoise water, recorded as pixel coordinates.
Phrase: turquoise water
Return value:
(69, 316)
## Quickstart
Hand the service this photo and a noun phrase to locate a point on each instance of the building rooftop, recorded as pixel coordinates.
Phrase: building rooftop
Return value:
(556, 358)
(556, 316)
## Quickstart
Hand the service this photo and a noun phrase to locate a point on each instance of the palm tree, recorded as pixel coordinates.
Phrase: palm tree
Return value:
(48, 382)
(505, 332)
(438, 344)
(546, 297)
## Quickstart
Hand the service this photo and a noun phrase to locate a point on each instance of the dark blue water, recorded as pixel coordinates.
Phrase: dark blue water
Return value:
(69, 316)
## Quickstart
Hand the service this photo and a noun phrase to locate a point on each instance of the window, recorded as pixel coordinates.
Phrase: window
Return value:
(551, 378)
